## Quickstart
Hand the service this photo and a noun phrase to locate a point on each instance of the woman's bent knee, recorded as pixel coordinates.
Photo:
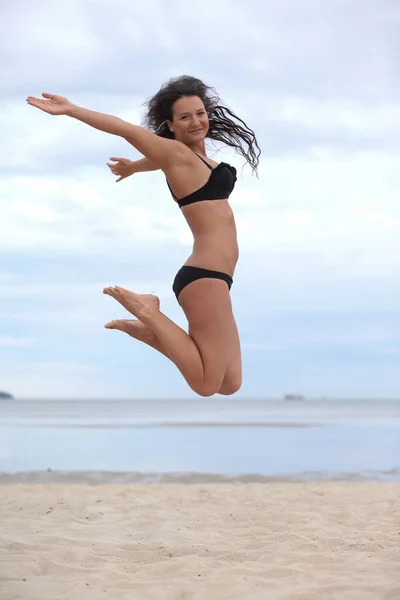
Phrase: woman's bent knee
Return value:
(226, 389)
(230, 388)
(206, 389)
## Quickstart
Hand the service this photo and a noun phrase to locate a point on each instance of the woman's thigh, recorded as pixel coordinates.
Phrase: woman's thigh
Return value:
(232, 381)
(208, 309)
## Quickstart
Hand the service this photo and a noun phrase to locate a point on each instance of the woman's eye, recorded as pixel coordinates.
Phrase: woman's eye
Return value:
(200, 114)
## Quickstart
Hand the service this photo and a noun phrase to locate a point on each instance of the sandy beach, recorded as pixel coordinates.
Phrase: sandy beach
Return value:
(227, 541)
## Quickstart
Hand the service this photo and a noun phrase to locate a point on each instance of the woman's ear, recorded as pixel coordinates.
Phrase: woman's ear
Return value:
(170, 126)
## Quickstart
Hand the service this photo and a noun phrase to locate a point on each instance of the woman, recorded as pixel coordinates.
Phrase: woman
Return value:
(180, 117)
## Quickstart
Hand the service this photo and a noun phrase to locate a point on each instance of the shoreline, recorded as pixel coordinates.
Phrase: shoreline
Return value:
(92, 477)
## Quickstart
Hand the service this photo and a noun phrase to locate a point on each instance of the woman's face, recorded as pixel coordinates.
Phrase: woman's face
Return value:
(189, 120)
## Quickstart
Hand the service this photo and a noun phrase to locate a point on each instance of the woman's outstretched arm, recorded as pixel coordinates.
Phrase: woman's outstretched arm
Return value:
(123, 167)
(161, 151)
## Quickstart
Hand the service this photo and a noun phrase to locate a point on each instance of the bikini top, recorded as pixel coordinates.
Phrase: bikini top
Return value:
(219, 185)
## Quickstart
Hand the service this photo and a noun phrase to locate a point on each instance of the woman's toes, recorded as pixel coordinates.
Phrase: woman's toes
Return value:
(111, 291)
(121, 291)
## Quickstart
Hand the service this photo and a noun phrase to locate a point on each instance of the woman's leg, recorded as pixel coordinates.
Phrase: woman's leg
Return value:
(139, 331)
(232, 381)
(202, 356)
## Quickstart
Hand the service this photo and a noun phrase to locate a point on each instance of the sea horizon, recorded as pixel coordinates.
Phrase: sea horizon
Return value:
(144, 440)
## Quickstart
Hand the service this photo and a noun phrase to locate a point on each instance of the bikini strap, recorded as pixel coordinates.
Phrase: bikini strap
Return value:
(204, 161)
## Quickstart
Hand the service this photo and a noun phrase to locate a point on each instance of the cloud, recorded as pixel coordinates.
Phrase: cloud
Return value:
(319, 230)
(11, 342)
(51, 379)
(342, 210)
(359, 333)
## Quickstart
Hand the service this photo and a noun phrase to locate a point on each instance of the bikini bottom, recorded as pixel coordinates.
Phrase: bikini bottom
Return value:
(187, 274)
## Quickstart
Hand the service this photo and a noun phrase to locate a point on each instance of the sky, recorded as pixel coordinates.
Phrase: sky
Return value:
(317, 288)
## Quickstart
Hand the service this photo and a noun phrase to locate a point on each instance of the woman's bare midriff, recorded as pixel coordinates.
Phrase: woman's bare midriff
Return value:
(215, 238)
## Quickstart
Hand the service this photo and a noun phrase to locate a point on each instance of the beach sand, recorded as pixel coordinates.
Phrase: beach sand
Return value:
(220, 541)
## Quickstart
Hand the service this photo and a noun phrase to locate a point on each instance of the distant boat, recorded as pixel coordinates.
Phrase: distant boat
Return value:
(5, 396)
(293, 397)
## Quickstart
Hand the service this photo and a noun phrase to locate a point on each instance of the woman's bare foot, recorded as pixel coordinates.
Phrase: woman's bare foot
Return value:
(134, 303)
(139, 331)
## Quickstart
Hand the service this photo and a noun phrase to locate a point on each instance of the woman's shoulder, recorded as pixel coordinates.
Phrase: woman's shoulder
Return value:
(184, 157)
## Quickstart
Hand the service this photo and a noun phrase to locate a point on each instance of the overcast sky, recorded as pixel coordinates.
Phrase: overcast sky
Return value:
(317, 288)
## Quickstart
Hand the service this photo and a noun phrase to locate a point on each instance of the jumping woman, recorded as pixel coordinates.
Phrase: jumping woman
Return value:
(180, 117)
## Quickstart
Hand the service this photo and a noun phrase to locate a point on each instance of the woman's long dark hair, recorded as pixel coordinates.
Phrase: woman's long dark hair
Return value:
(222, 128)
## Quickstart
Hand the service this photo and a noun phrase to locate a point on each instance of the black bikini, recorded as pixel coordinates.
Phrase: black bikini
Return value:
(219, 186)
(187, 274)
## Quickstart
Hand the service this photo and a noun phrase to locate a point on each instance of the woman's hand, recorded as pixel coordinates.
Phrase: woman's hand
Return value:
(123, 167)
(53, 105)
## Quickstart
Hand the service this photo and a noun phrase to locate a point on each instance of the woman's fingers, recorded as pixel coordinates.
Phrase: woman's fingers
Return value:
(115, 172)
(42, 104)
(118, 167)
(35, 101)
(45, 95)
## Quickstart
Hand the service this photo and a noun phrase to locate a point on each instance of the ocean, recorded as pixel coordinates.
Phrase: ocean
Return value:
(199, 440)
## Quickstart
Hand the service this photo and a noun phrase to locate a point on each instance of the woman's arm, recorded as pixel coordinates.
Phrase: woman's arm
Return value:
(123, 167)
(160, 151)
(143, 165)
